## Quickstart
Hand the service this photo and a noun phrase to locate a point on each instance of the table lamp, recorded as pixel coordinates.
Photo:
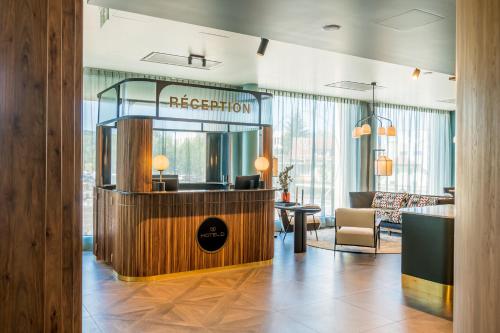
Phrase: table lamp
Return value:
(160, 163)
(261, 164)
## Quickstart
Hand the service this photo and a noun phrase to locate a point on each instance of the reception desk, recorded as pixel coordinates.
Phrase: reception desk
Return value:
(149, 235)
(144, 233)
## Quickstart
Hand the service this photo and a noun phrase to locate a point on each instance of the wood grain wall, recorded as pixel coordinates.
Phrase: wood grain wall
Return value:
(40, 165)
(134, 171)
(267, 151)
(477, 229)
(103, 156)
(155, 233)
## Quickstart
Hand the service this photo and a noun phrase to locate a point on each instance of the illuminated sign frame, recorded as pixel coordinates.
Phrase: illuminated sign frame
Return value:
(185, 102)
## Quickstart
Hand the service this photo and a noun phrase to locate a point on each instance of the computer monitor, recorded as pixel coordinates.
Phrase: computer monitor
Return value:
(246, 182)
(171, 182)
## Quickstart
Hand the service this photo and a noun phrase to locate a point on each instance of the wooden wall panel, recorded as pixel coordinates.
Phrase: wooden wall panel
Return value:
(267, 151)
(103, 156)
(40, 163)
(477, 228)
(134, 171)
(154, 234)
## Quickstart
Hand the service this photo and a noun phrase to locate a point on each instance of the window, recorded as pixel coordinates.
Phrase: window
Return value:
(421, 151)
(186, 152)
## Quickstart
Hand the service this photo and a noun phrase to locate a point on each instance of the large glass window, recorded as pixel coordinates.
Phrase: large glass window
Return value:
(421, 151)
(312, 133)
(186, 152)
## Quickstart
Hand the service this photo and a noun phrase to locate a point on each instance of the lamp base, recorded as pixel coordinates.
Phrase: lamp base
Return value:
(158, 186)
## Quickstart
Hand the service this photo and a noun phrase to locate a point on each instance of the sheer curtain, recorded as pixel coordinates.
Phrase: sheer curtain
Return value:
(314, 134)
(420, 152)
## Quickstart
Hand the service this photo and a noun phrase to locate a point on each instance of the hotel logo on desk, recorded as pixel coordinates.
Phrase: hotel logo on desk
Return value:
(212, 234)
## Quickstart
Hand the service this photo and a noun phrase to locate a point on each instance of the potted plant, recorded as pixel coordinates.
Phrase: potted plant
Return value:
(285, 180)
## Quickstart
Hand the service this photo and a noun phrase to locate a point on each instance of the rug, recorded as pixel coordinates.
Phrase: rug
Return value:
(388, 244)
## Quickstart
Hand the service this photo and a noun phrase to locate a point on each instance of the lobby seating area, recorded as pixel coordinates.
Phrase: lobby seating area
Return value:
(388, 205)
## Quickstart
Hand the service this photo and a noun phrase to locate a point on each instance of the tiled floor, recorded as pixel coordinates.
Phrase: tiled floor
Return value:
(311, 292)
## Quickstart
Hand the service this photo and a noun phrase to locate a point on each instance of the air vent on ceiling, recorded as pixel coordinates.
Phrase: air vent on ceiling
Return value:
(411, 19)
(449, 100)
(177, 60)
(213, 35)
(350, 85)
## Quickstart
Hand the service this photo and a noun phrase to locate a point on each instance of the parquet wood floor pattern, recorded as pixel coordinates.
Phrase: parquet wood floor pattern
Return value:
(311, 292)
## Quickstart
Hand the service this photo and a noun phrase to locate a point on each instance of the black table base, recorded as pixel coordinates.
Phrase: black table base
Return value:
(300, 232)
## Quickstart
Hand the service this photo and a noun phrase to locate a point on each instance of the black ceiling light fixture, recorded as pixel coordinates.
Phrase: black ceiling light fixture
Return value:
(196, 56)
(262, 46)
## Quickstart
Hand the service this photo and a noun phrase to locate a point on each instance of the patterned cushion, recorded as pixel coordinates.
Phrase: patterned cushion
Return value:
(389, 200)
(388, 215)
(396, 217)
(383, 214)
(417, 200)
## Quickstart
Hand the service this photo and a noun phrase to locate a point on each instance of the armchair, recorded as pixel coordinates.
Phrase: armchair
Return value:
(356, 227)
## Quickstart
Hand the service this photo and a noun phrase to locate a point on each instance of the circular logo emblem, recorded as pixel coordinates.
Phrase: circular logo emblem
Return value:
(212, 234)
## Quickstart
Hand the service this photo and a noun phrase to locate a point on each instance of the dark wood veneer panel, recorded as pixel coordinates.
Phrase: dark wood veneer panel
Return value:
(40, 137)
(153, 234)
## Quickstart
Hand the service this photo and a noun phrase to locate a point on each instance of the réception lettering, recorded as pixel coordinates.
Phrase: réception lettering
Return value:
(209, 105)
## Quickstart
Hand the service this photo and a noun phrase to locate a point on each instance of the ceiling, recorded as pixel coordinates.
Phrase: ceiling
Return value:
(126, 38)
(375, 29)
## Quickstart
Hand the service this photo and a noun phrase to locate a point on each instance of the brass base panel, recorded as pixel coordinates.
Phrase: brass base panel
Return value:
(429, 288)
(191, 273)
(428, 296)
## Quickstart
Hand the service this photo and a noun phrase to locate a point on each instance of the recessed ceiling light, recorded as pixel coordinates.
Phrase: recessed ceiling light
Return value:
(331, 27)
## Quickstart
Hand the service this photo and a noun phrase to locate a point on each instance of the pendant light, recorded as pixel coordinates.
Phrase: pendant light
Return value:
(363, 126)
(383, 164)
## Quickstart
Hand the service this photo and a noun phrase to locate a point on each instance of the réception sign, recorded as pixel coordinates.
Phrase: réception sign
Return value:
(211, 105)
(186, 102)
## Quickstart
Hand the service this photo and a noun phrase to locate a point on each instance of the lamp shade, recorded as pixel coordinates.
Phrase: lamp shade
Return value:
(160, 162)
(366, 129)
(356, 132)
(383, 166)
(261, 163)
(275, 167)
(391, 131)
(381, 131)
